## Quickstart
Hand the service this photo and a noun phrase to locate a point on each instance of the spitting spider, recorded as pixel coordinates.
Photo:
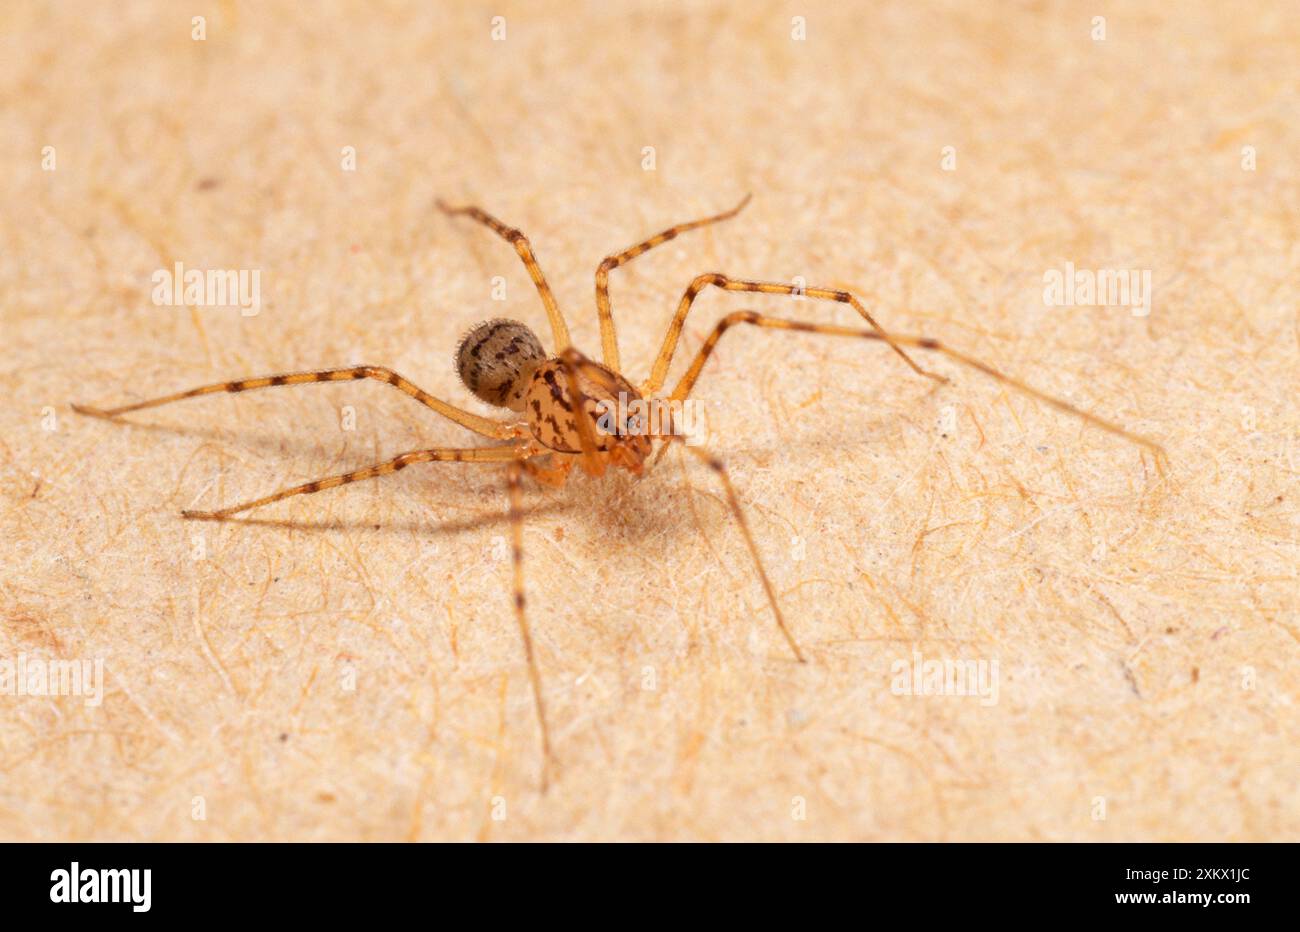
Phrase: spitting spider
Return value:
(561, 403)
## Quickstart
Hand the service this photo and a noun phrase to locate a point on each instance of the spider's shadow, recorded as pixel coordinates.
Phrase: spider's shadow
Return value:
(609, 505)
(279, 443)
(424, 527)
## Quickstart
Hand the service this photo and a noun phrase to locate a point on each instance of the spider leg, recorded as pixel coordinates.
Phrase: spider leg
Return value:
(926, 343)
(718, 467)
(608, 337)
(660, 370)
(559, 330)
(480, 425)
(440, 454)
(513, 477)
(573, 361)
(553, 474)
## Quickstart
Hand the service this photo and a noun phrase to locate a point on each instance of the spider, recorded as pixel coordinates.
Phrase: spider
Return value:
(559, 403)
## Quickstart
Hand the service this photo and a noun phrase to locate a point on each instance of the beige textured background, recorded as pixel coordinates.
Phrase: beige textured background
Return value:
(1125, 611)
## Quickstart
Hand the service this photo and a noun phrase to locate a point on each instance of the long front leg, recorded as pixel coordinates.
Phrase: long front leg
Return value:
(513, 477)
(660, 371)
(734, 503)
(559, 330)
(608, 335)
(752, 318)
(480, 425)
(441, 454)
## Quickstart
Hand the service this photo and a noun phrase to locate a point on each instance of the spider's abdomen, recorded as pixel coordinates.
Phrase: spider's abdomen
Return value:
(496, 359)
(550, 408)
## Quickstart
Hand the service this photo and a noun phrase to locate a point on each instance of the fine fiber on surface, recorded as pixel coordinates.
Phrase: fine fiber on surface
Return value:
(346, 665)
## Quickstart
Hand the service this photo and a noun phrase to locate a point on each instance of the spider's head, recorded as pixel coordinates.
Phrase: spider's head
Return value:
(496, 361)
(618, 426)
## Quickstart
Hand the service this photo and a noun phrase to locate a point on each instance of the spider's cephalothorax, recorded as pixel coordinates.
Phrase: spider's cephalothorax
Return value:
(503, 363)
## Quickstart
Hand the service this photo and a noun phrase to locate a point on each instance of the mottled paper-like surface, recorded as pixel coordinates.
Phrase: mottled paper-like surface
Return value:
(346, 665)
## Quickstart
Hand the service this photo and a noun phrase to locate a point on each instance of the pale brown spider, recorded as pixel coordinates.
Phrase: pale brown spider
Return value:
(503, 363)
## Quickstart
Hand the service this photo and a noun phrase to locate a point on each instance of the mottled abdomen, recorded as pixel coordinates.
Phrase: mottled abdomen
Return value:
(496, 360)
(550, 409)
